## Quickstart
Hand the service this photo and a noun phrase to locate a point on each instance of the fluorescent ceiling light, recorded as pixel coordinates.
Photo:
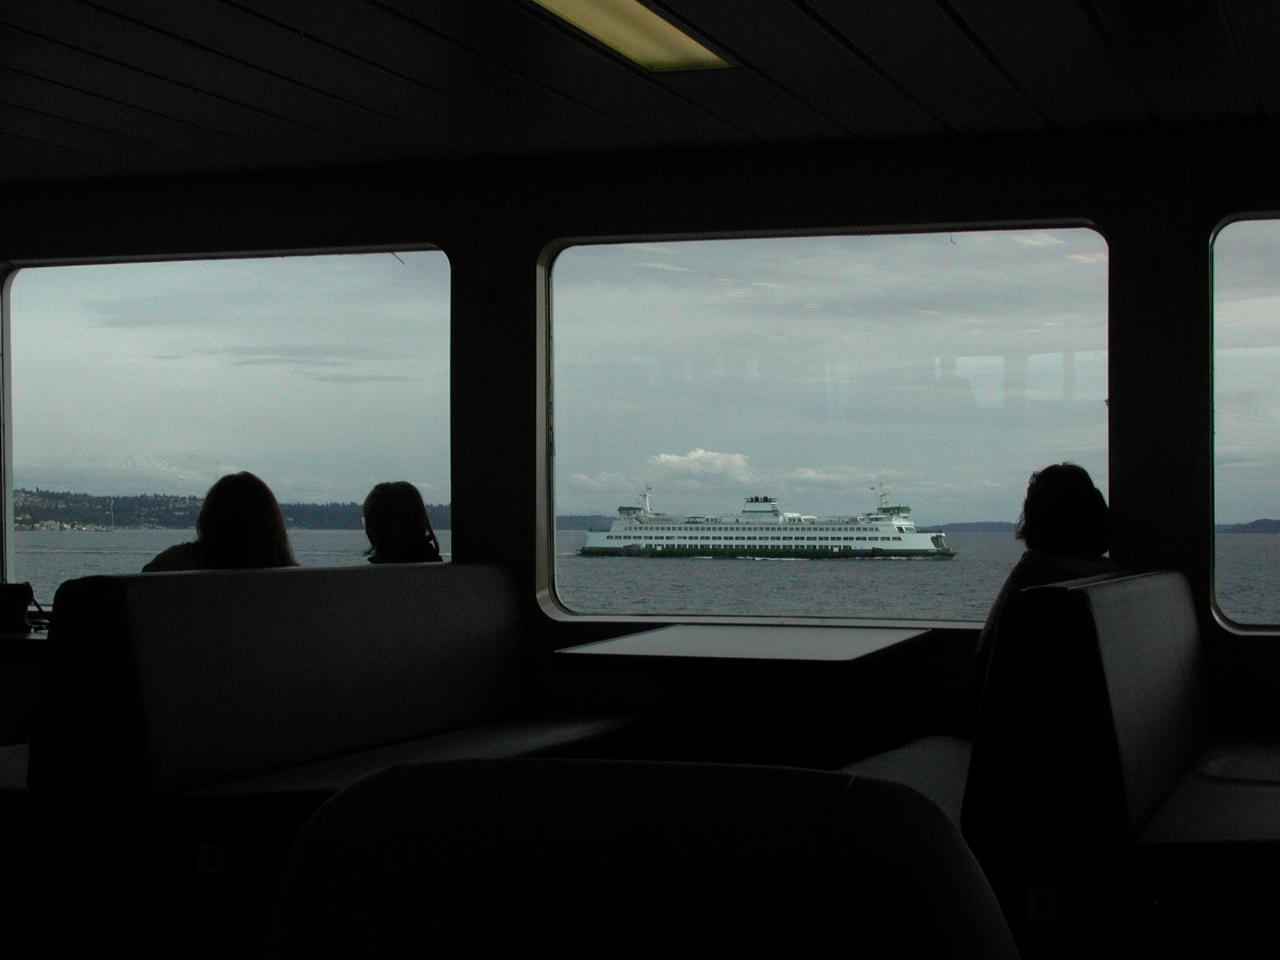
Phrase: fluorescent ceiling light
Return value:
(636, 32)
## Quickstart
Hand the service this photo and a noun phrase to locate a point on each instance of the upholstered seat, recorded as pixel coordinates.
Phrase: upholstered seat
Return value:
(609, 858)
(190, 723)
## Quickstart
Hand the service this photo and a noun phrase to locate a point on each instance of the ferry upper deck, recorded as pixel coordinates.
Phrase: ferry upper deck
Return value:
(501, 135)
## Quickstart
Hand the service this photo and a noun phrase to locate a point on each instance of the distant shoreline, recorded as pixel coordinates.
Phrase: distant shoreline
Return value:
(62, 510)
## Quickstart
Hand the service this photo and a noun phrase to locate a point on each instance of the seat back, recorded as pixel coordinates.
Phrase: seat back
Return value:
(166, 681)
(1094, 707)
(611, 857)
(1152, 662)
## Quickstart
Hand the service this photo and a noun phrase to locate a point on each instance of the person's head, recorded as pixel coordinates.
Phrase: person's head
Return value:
(240, 525)
(395, 519)
(1064, 513)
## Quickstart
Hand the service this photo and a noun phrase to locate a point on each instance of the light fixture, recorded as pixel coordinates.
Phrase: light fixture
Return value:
(636, 32)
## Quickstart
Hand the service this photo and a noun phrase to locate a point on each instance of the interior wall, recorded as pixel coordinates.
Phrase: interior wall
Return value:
(1157, 198)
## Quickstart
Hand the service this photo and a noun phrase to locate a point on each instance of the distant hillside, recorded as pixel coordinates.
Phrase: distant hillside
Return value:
(1253, 526)
(60, 510)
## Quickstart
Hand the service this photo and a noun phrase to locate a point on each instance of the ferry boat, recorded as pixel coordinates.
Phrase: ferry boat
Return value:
(763, 529)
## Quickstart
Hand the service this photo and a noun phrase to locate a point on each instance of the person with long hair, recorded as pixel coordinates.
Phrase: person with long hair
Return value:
(397, 525)
(1064, 525)
(240, 526)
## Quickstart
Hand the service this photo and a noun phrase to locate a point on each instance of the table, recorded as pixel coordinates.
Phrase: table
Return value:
(751, 643)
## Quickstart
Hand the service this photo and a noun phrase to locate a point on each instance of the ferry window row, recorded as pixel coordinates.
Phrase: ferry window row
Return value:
(824, 371)
(904, 385)
(135, 386)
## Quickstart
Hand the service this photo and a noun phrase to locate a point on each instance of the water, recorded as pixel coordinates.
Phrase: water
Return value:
(47, 557)
(1248, 575)
(957, 589)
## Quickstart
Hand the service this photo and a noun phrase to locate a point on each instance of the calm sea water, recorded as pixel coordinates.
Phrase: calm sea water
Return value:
(47, 557)
(957, 589)
(1248, 575)
(1247, 572)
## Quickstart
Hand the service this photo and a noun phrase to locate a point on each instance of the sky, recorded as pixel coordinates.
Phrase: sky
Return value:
(1246, 263)
(322, 374)
(944, 366)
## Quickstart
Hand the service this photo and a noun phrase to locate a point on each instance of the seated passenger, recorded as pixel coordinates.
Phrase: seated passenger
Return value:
(240, 525)
(1064, 525)
(397, 525)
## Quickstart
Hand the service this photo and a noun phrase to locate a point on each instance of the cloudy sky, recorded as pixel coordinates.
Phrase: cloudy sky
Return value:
(324, 375)
(1246, 260)
(946, 366)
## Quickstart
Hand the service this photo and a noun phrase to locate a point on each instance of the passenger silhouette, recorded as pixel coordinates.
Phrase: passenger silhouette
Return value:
(240, 525)
(397, 525)
(1064, 525)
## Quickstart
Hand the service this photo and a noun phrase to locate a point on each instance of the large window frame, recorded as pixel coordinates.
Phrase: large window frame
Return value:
(545, 586)
(1224, 617)
(11, 270)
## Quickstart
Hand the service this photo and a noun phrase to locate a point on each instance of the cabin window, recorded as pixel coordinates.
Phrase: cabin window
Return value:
(135, 385)
(837, 374)
(1246, 411)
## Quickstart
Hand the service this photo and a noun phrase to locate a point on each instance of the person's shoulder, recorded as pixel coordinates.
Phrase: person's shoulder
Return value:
(181, 556)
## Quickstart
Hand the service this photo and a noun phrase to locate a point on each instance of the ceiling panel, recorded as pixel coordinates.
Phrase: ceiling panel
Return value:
(403, 47)
(919, 45)
(97, 77)
(1059, 58)
(1257, 30)
(23, 160)
(515, 36)
(105, 88)
(196, 66)
(146, 129)
(373, 104)
(90, 142)
(1182, 57)
(779, 40)
(752, 103)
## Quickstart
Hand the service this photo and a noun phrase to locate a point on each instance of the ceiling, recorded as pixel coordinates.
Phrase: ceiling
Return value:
(129, 88)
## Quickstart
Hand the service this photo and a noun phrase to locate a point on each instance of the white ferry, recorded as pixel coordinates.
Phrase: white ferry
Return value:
(762, 529)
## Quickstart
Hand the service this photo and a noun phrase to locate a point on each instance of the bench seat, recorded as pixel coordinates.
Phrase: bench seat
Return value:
(527, 737)
(189, 723)
(1097, 771)
(1230, 795)
(937, 767)
(161, 683)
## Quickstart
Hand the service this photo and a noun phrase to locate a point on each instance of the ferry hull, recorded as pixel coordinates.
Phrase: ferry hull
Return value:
(763, 531)
(731, 553)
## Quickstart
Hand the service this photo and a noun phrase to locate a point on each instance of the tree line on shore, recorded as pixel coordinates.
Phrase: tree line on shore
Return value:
(42, 509)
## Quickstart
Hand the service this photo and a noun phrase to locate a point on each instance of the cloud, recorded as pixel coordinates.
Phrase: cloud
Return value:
(600, 481)
(357, 377)
(105, 474)
(270, 361)
(699, 463)
(838, 477)
(315, 361)
(1035, 239)
(321, 354)
(1087, 257)
(655, 265)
